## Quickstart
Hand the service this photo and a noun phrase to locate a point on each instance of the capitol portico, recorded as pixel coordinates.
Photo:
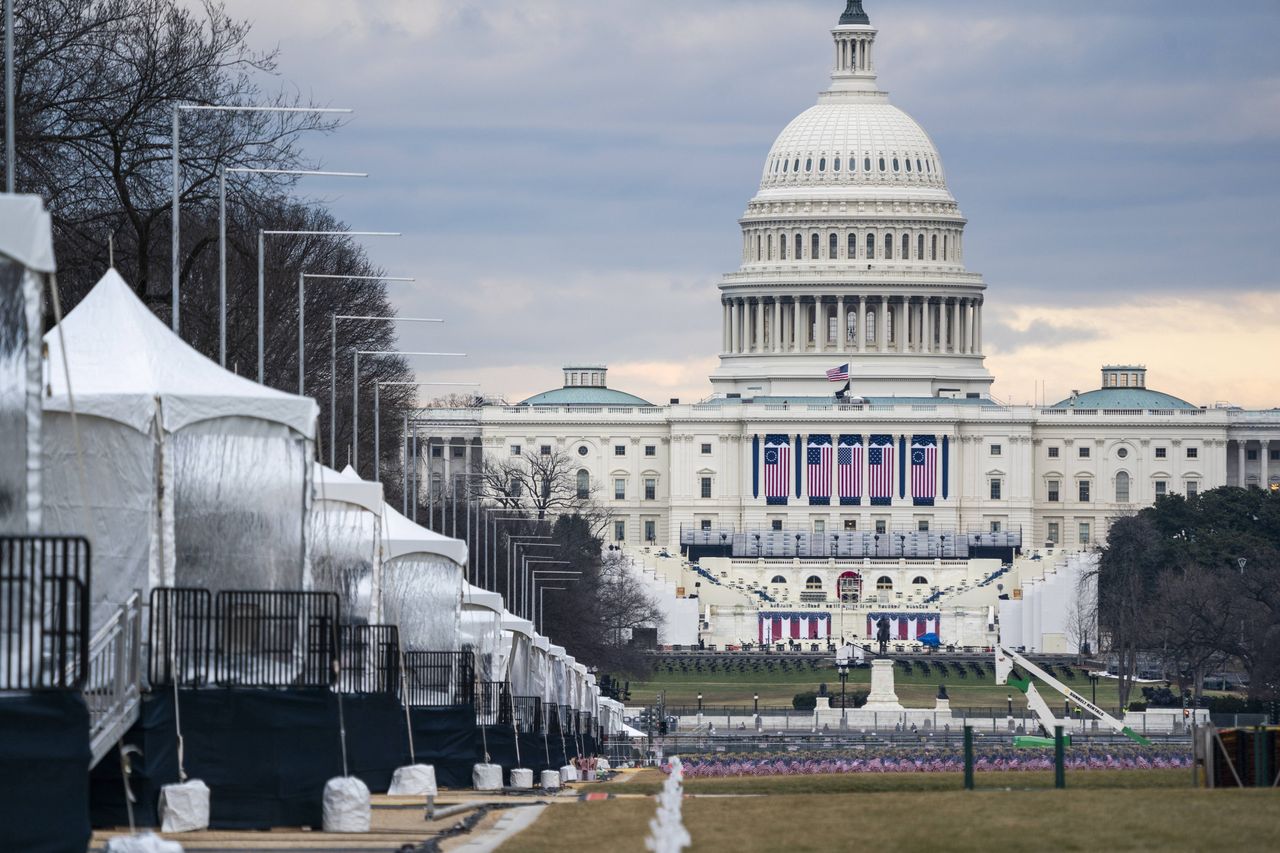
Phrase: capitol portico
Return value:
(915, 493)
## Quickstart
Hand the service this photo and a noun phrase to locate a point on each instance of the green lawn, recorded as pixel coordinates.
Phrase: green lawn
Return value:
(1125, 811)
(777, 688)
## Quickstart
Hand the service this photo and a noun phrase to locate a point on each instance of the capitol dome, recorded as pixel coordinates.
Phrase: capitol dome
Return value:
(853, 142)
(853, 251)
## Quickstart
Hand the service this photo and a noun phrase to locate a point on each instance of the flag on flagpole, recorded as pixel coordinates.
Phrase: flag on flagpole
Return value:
(838, 374)
(818, 467)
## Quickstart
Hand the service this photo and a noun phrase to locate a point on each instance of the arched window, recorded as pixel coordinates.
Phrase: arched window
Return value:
(799, 247)
(584, 484)
(866, 164)
(882, 165)
(896, 164)
(813, 582)
(919, 168)
(908, 162)
(1122, 488)
(795, 167)
(884, 582)
(822, 165)
(808, 165)
(815, 247)
(851, 326)
(870, 326)
(782, 246)
(786, 166)
(888, 247)
(935, 247)
(946, 248)
(769, 247)
(920, 580)
(833, 246)
(920, 248)
(853, 245)
(836, 165)
(906, 247)
(778, 579)
(757, 247)
(871, 247)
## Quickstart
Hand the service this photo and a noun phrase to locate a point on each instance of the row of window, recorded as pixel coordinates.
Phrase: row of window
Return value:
(650, 487)
(814, 582)
(870, 164)
(649, 530)
(929, 247)
(650, 450)
(1084, 452)
(1084, 533)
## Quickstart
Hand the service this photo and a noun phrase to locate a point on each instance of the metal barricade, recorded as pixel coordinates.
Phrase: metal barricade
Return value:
(440, 679)
(113, 687)
(276, 639)
(44, 612)
(493, 700)
(370, 659)
(180, 636)
(528, 713)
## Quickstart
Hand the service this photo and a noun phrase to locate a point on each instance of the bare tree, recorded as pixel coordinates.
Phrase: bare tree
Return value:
(625, 604)
(1082, 617)
(541, 484)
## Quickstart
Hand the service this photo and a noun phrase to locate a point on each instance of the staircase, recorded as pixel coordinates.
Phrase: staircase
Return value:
(113, 688)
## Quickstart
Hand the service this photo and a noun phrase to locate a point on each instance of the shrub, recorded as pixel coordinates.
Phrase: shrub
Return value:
(805, 701)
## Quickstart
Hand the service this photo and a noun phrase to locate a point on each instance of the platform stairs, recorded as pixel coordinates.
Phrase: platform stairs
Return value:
(113, 686)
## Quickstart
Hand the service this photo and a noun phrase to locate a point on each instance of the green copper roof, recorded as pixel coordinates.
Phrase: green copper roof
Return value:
(854, 14)
(1124, 398)
(587, 396)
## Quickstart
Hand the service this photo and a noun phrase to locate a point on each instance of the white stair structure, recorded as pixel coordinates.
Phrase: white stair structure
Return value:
(113, 689)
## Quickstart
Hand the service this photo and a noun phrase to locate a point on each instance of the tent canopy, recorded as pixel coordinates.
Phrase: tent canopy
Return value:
(26, 232)
(474, 596)
(346, 486)
(516, 625)
(400, 536)
(125, 363)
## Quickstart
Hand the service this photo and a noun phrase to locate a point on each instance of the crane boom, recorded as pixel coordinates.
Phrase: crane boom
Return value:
(1005, 660)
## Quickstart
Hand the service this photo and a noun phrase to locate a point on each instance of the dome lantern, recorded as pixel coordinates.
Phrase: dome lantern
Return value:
(855, 68)
(854, 14)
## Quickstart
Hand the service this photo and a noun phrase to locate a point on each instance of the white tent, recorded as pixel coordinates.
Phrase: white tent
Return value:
(518, 643)
(539, 666)
(184, 473)
(26, 256)
(421, 584)
(482, 629)
(556, 690)
(346, 541)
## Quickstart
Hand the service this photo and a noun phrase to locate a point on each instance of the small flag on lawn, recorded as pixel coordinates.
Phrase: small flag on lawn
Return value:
(838, 374)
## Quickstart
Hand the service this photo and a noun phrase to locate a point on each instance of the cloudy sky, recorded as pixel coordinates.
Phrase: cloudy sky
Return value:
(568, 174)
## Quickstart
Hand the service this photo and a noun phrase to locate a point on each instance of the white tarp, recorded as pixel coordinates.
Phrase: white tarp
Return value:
(26, 256)
(421, 584)
(482, 630)
(557, 688)
(519, 659)
(192, 476)
(539, 667)
(346, 533)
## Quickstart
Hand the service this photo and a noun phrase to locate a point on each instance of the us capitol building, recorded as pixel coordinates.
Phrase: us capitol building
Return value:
(776, 510)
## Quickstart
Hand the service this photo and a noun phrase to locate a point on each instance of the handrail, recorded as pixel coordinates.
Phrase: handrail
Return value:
(113, 689)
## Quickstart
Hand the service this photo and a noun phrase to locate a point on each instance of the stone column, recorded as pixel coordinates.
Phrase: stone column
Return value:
(1240, 463)
(928, 324)
(726, 343)
(859, 329)
(796, 311)
(759, 325)
(955, 326)
(904, 323)
(944, 306)
(977, 328)
(882, 338)
(1264, 463)
(842, 327)
(733, 325)
(777, 325)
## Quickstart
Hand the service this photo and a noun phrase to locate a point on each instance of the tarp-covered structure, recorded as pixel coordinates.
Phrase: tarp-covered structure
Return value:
(422, 580)
(517, 648)
(26, 259)
(184, 473)
(346, 541)
(482, 629)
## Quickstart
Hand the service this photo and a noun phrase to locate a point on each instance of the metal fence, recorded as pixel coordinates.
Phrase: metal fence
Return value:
(44, 612)
(180, 636)
(528, 713)
(439, 679)
(370, 656)
(493, 699)
(276, 639)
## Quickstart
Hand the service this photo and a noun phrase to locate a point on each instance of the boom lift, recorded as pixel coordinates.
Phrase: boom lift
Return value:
(1005, 660)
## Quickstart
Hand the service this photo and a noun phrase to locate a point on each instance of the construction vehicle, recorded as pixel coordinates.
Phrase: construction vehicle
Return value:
(1006, 659)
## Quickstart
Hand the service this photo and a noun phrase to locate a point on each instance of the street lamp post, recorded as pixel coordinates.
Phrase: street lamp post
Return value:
(527, 568)
(545, 576)
(542, 600)
(1093, 682)
(175, 216)
(699, 703)
(333, 368)
(302, 313)
(222, 236)
(520, 540)
(355, 392)
(843, 669)
(262, 240)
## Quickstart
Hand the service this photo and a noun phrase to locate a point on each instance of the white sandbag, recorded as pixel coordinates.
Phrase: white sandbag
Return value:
(146, 842)
(568, 773)
(346, 805)
(486, 777)
(550, 780)
(521, 778)
(184, 807)
(416, 780)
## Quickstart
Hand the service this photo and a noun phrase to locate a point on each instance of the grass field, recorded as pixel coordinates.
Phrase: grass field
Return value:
(777, 688)
(1122, 811)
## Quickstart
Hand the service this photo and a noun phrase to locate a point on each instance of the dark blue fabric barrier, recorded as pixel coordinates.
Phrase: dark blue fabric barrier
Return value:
(44, 761)
(266, 754)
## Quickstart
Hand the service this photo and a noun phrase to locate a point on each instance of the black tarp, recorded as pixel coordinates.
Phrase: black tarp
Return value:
(44, 761)
(266, 754)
